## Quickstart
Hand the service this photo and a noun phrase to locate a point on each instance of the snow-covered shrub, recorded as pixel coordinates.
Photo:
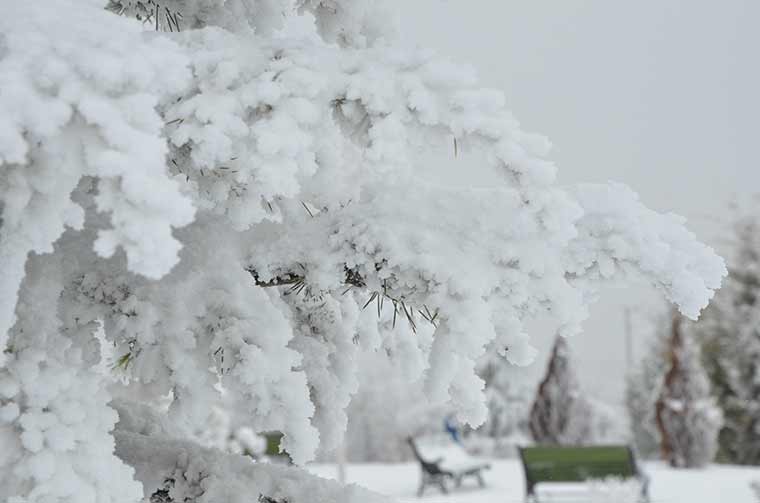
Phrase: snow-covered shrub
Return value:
(218, 188)
(561, 414)
(688, 419)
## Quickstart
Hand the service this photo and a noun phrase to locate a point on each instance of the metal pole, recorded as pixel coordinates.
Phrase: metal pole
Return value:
(628, 340)
(341, 458)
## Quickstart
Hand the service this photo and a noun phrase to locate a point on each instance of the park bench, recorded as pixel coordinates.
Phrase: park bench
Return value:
(440, 465)
(567, 464)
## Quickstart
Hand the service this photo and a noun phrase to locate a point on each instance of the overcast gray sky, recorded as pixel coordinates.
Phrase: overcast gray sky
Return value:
(658, 94)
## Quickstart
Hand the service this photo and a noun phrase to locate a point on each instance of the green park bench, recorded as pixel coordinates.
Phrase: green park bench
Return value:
(272, 450)
(567, 464)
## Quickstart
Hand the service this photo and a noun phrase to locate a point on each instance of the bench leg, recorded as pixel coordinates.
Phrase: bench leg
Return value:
(424, 480)
(442, 485)
(481, 480)
(644, 489)
(530, 495)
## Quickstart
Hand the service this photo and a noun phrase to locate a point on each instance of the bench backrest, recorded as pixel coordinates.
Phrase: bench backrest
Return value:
(577, 464)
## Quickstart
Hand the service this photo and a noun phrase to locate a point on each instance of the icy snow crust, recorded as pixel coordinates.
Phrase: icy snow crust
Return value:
(150, 181)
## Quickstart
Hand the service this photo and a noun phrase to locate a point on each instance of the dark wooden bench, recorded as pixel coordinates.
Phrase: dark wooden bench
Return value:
(438, 471)
(550, 463)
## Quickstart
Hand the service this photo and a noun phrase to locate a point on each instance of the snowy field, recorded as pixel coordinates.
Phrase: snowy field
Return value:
(716, 484)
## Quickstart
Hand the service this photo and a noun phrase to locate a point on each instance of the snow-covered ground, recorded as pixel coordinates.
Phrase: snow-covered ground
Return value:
(716, 484)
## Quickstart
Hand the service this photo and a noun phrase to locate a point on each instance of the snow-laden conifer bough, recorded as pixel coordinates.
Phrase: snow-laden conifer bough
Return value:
(210, 191)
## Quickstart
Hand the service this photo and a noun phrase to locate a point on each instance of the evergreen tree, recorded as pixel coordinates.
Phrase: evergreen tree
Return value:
(729, 331)
(688, 419)
(729, 337)
(560, 413)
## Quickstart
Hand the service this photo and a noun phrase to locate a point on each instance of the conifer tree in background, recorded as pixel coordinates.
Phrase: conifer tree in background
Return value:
(729, 332)
(560, 413)
(688, 419)
(227, 195)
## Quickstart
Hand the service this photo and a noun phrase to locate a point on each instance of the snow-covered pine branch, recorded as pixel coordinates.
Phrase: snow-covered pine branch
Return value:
(176, 470)
(147, 174)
